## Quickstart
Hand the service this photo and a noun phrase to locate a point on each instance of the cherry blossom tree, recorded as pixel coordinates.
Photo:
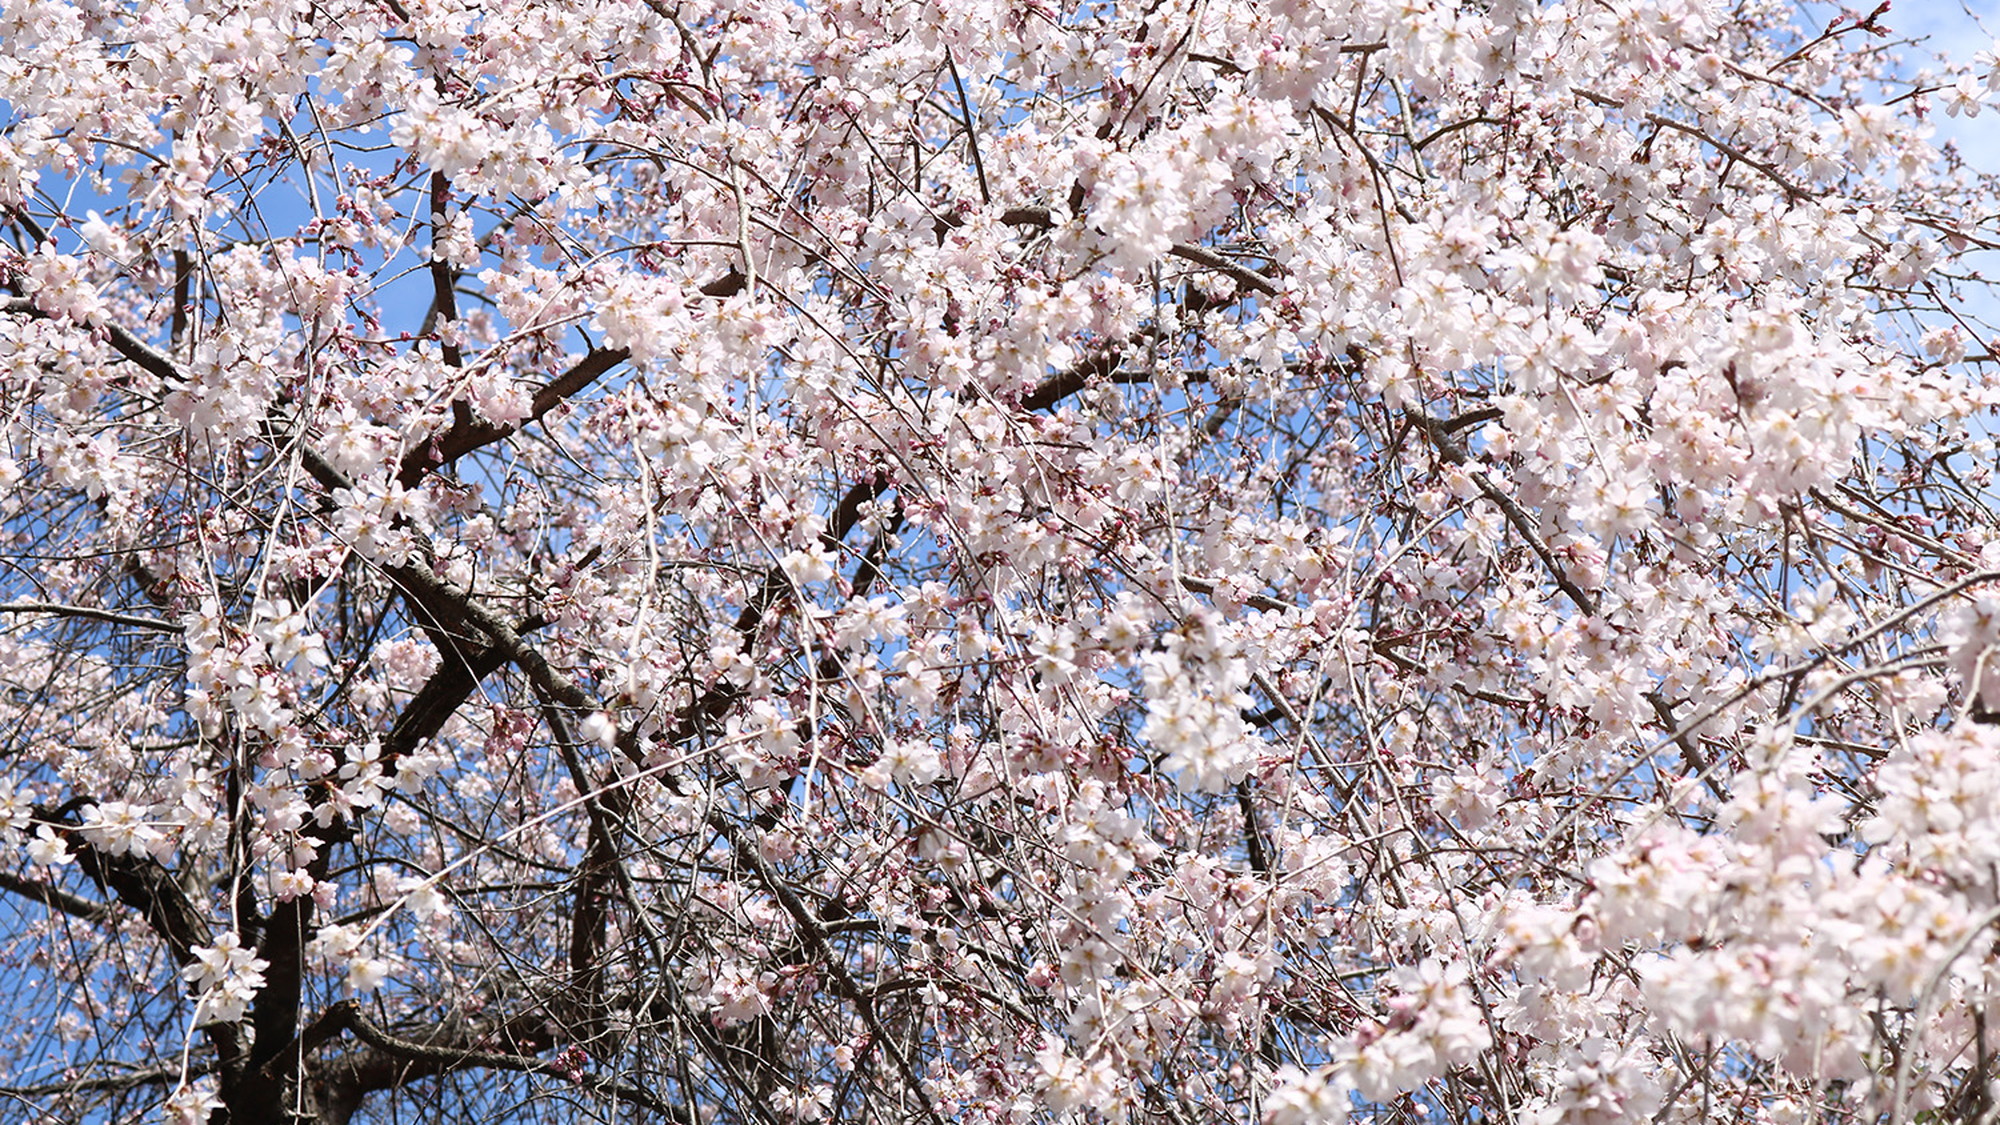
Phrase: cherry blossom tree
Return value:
(746, 561)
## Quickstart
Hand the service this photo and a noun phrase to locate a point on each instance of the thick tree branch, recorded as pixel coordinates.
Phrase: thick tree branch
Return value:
(1075, 378)
(151, 890)
(444, 279)
(55, 898)
(85, 1084)
(468, 434)
(446, 1049)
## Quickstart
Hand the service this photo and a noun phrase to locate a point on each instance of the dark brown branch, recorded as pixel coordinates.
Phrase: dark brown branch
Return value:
(441, 696)
(870, 567)
(1028, 217)
(146, 887)
(1452, 452)
(1066, 383)
(131, 347)
(1769, 171)
(337, 1086)
(590, 921)
(260, 1088)
(152, 891)
(1253, 833)
(848, 512)
(971, 128)
(57, 610)
(183, 299)
(460, 608)
(445, 1050)
(258, 1094)
(158, 1075)
(814, 932)
(1247, 278)
(467, 434)
(444, 279)
(716, 701)
(55, 898)
(443, 1047)
(1186, 251)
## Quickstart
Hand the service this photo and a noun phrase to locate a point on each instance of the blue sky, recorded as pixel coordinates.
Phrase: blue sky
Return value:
(1958, 29)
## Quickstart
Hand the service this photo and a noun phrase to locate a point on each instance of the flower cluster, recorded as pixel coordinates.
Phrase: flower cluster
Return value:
(995, 562)
(227, 977)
